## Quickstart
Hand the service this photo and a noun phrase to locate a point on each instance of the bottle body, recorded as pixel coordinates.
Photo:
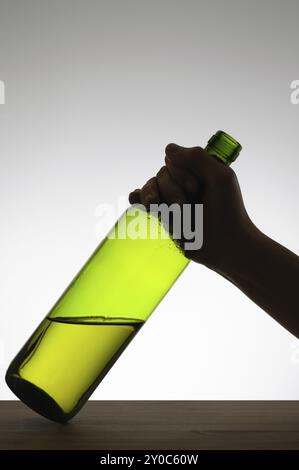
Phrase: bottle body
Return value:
(96, 317)
(101, 311)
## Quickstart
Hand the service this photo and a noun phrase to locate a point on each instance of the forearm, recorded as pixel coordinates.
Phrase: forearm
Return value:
(268, 274)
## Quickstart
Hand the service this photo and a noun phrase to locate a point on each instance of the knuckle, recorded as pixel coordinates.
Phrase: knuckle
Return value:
(151, 183)
(195, 152)
(230, 175)
(148, 184)
(162, 172)
(224, 175)
(170, 148)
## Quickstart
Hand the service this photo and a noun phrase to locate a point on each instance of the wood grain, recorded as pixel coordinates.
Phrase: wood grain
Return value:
(156, 425)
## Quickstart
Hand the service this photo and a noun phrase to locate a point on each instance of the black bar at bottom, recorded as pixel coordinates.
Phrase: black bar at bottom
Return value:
(140, 458)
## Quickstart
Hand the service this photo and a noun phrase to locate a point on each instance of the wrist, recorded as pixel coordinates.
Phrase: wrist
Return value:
(240, 253)
(244, 258)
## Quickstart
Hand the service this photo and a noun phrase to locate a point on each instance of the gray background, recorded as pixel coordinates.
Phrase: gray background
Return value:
(94, 92)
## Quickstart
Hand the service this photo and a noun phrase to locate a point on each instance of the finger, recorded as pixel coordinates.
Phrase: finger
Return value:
(194, 159)
(169, 190)
(149, 193)
(184, 178)
(134, 197)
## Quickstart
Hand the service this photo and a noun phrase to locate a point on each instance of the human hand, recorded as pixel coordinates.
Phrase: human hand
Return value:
(193, 176)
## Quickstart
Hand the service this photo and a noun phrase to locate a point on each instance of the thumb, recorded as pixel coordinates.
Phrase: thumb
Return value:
(194, 159)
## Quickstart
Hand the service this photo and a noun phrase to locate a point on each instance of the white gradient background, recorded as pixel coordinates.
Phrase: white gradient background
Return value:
(94, 92)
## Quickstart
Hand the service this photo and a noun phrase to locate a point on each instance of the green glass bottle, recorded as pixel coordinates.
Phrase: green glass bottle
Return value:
(100, 312)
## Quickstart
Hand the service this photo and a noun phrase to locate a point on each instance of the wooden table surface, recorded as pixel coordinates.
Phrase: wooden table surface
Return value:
(156, 425)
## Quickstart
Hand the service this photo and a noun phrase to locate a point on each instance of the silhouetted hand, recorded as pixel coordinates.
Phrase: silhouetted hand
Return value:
(191, 175)
(233, 246)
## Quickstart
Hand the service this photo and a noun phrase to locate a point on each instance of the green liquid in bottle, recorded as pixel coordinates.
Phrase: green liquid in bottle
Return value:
(100, 312)
(65, 360)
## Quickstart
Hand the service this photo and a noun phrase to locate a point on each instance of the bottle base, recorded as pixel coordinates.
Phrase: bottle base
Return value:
(36, 399)
(64, 360)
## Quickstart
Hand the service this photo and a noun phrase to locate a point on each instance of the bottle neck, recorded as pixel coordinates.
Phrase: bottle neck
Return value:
(224, 147)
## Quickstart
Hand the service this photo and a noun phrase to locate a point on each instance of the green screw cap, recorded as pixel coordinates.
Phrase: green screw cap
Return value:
(224, 147)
